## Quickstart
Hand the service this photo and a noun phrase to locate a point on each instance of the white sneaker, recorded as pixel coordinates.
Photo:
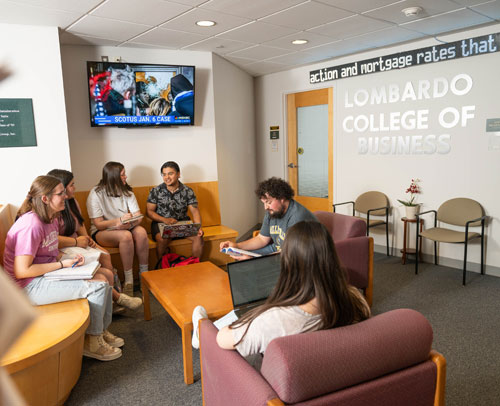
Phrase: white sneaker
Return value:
(130, 302)
(199, 313)
(96, 347)
(113, 340)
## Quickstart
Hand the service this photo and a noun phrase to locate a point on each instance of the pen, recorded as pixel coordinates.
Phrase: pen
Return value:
(72, 266)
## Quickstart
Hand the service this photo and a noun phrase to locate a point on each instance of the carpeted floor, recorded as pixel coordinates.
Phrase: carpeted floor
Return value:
(466, 323)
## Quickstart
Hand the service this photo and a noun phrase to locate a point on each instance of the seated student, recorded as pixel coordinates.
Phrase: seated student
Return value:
(72, 233)
(311, 294)
(282, 212)
(109, 204)
(168, 203)
(31, 250)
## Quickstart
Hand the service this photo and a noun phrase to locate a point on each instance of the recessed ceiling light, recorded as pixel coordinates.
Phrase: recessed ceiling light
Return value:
(412, 11)
(299, 41)
(205, 23)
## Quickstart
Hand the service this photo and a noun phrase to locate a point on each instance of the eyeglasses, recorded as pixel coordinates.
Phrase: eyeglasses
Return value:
(63, 193)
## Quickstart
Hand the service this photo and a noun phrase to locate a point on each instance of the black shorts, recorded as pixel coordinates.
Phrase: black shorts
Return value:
(93, 236)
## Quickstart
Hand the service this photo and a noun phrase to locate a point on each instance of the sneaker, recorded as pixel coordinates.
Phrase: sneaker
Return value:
(199, 313)
(113, 340)
(130, 302)
(128, 288)
(118, 309)
(96, 347)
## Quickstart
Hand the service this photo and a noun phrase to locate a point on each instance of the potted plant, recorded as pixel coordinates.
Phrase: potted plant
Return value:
(411, 206)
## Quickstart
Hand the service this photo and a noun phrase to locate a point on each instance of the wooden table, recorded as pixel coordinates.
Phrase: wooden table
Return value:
(46, 361)
(405, 251)
(179, 290)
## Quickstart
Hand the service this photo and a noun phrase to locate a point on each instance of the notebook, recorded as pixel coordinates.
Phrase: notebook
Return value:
(85, 271)
(181, 229)
(251, 281)
(236, 252)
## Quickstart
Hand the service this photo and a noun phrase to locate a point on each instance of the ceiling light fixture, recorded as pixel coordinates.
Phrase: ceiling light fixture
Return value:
(205, 23)
(412, 11)
(299, 41)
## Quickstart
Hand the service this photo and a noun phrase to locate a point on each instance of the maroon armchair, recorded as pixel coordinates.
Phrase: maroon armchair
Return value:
(354, 248)
(385, 360)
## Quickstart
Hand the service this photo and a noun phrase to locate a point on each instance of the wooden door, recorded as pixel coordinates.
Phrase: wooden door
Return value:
(310, 147)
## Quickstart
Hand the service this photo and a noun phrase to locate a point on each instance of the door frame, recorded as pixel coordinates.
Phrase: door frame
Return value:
(302, 99)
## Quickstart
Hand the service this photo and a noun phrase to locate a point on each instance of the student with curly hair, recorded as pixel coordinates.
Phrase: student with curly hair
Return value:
(282, 212)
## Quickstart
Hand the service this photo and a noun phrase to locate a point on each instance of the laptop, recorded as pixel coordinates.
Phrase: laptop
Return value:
(251, 282)
(181, 229)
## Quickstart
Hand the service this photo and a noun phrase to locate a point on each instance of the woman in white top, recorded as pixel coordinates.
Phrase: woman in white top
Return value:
(312, 293)
(109, 205)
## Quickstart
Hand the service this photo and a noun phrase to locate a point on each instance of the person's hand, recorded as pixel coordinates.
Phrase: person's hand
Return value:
(92, 243)
(82, 241)
(200, 233)
(227, 244)
(169, 221)
(77, 259)
(240, 257)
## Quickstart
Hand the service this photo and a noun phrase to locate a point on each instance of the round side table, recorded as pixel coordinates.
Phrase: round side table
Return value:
(410, 251)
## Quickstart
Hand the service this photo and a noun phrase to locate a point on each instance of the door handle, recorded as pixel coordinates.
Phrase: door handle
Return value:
(292, 165)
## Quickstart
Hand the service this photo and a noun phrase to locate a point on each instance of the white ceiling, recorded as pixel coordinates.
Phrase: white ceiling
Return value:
(253, 34)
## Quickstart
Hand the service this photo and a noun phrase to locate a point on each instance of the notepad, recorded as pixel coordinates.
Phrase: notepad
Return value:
(85, 271)
(127, 221)
(235, 252)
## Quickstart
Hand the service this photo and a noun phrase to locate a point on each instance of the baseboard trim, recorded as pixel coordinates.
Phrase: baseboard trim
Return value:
(449, 262)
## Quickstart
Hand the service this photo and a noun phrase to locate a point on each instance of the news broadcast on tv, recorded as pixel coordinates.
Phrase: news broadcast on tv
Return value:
(127, 94)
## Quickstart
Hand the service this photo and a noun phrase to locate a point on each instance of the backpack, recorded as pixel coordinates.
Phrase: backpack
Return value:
(170, 260)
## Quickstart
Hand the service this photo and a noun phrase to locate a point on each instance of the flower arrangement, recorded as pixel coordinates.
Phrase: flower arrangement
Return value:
(413, 190)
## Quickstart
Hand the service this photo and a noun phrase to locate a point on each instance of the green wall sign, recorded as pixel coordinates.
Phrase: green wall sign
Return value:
(17, 123)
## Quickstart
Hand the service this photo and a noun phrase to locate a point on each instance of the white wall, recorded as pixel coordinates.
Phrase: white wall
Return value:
(141, 150)
(469, 169)
(32, 55)
(236, 155)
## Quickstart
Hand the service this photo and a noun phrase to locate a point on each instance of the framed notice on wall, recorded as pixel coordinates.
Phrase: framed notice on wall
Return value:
(17, 123)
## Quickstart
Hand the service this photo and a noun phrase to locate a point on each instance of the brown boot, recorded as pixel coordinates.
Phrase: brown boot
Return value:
(96, 347)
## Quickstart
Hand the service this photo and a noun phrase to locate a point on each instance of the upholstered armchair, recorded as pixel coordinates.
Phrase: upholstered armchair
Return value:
(385, 360)
(354, 248)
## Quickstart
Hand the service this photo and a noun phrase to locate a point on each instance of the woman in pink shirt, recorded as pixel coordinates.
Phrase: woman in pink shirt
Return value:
(31, 250)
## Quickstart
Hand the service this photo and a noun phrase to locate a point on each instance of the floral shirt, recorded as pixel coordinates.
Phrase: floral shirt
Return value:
(173, 205)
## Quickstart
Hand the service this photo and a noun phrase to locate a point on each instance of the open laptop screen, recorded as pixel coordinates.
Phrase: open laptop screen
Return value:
(253, 279)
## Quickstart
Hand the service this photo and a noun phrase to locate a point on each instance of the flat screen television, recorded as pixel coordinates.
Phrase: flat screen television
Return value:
(132, 94)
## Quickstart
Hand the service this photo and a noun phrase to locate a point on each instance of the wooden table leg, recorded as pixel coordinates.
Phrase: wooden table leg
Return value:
(187, 353)
(145, 300)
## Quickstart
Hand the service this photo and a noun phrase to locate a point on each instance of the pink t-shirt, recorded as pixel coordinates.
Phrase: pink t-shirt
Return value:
(31, 236)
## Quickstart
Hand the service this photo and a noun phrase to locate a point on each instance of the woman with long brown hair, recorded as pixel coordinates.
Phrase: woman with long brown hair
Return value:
(110, 204)
(72, 233)
(312, 293)
(31, 250)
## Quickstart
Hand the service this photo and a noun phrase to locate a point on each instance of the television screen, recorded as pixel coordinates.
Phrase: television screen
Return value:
(131, 94)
